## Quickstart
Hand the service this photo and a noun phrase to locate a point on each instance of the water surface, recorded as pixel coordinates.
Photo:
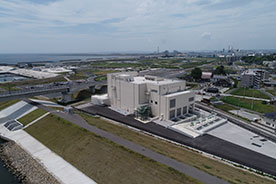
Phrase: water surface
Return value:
(6, 177)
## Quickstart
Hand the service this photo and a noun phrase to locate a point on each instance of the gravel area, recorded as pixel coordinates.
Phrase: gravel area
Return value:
(27, 169)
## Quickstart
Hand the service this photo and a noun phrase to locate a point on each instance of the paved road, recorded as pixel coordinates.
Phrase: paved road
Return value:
(206, 143)
(265, 92)
(179, 166)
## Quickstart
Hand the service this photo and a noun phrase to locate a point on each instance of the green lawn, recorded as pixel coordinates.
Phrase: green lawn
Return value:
(179, 153)
(226, 107)
(28, 118)
(13, 85)
(250, 93)
(99, 158)
(6, 104)
(100, 78)
(258, 106)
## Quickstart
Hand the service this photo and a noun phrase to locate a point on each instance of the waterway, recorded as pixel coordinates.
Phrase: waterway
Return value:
(6, 177)
(10, 78)
(18, 58)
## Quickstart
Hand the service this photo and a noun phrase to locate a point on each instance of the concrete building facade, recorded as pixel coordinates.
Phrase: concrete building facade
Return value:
(167, 98)
(252, 78)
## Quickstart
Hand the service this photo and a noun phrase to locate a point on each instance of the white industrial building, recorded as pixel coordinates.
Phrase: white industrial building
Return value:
(166, 98)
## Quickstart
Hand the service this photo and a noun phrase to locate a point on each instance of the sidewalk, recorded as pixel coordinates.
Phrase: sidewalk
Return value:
(63, 171)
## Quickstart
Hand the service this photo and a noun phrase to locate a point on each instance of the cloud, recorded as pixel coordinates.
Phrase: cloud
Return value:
(206, 36)
(134, 22)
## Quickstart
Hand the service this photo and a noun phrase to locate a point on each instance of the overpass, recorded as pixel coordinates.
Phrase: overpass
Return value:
(66, 90)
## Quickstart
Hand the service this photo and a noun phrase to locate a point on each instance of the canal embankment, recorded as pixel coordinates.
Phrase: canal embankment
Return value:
(23, 166)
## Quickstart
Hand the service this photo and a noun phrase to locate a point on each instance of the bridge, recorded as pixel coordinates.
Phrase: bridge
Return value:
(66, 90)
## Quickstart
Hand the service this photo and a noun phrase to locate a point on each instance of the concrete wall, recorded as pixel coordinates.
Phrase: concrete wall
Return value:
(247, 80)
(181, 101)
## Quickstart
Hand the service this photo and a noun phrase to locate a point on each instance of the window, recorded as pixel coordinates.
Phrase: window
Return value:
(172, 114)
(154, 91)
(178, 112)
(185, 110)
(191, 99)
(172, 103)
(156, 102)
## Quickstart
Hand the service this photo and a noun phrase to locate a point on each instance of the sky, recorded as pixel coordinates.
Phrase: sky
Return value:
(91, 26)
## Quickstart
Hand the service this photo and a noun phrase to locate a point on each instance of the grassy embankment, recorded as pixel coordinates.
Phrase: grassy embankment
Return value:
(84, 74)
(12, 86)
(6, 104)
(179, 153)
(249, 93)
(99, 158)
(156, 63)
(257, 106)
(272, 91)
(28, 118)
(226, 107)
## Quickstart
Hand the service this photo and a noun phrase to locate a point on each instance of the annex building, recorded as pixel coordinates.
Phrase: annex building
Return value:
(152, 96)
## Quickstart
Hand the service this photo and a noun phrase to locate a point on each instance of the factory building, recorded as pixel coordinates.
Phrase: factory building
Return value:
(165, 98)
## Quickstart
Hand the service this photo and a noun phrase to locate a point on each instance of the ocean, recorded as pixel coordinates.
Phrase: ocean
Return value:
(19, 58)
(6, 177)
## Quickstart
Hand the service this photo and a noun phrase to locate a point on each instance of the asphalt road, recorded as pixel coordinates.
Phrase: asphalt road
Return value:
(179, 166)
(206, 143)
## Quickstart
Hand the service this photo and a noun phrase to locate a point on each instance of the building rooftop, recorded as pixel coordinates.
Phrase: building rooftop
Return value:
(220, 77)
(249, 72)
(153, 80)
(178, 93)
(270, 115)
(206, 75)
(253, 71)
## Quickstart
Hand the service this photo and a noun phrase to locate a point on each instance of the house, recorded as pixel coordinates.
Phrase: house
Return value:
(157, 97)
(206, 76)
(221, 80)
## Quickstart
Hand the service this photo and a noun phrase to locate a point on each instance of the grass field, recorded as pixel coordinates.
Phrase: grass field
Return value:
(103, 72)
(250, 93)
(99, 158)
(258, 106)
(6, 104)
(13, 85)
(192, 158)
(226, 107)
(31, 116)
(100, 78)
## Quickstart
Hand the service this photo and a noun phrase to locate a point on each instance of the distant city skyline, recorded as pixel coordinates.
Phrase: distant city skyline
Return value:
(102, 26)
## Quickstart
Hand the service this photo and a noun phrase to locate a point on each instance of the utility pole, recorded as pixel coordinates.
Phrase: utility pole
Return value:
(252, 100)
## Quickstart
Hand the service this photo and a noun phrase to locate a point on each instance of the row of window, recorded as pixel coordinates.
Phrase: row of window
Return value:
(179, 112)
(173, 102)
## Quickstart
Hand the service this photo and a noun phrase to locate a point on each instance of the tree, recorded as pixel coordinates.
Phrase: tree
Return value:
(196, 73)
(219, 71)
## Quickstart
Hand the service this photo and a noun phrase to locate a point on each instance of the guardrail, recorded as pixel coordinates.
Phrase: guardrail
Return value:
(47, 89)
